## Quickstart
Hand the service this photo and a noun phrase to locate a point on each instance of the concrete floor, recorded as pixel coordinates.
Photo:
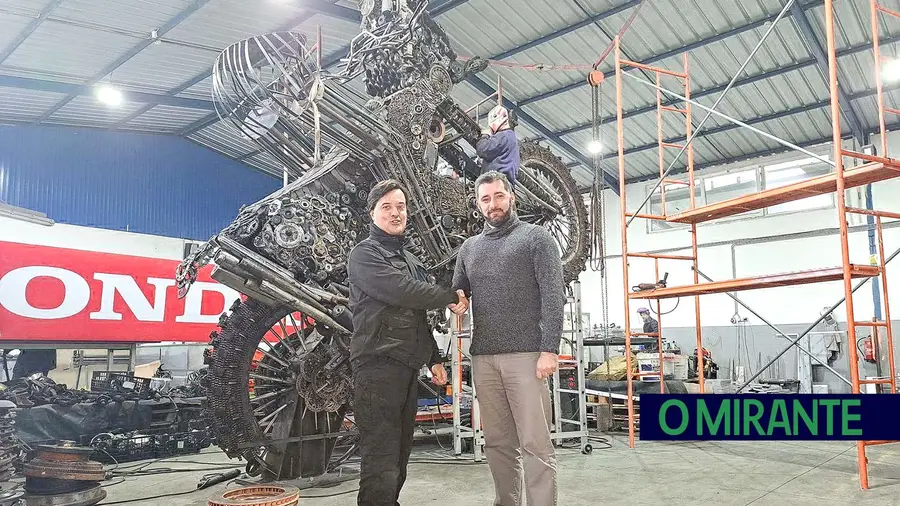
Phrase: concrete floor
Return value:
(775, 473)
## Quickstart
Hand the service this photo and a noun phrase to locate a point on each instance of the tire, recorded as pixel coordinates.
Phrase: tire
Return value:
(233, 417)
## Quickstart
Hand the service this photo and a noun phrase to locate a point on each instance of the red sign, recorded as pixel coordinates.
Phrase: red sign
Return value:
(59, 294)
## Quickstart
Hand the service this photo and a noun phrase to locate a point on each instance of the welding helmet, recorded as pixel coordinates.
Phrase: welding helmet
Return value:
(643, 310)
(497, 118)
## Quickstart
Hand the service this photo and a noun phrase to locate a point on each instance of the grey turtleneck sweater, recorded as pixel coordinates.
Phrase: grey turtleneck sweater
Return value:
(514, 277)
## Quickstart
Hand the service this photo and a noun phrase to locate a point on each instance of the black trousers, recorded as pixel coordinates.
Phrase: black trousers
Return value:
(384, 408)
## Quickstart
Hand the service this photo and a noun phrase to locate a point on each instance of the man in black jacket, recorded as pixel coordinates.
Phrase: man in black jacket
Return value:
(389, 300)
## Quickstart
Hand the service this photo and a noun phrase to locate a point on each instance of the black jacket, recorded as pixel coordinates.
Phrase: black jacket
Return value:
(389, 300)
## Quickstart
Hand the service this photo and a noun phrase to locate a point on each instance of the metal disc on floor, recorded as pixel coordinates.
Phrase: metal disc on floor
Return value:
(87, 497)
(257, 495)
(64, 461)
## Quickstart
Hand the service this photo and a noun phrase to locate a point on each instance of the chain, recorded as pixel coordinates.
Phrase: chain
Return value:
(598, 207)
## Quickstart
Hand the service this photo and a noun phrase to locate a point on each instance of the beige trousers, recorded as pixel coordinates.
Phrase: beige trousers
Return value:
(515, 414)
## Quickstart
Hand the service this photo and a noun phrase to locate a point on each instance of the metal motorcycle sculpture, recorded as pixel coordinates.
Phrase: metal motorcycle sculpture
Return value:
(278, 382)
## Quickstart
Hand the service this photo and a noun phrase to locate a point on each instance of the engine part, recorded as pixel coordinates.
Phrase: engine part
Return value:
(279, 362)
(257, 495)
(64, 461)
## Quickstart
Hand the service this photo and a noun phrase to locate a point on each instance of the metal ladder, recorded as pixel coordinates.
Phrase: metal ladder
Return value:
(464, 393)
(560, 424)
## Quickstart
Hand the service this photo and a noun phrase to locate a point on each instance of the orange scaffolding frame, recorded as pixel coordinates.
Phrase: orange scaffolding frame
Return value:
(875, 169)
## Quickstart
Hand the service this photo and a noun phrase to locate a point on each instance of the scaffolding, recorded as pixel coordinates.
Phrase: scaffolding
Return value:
(577, 388)
(872, 169)
(465, 433)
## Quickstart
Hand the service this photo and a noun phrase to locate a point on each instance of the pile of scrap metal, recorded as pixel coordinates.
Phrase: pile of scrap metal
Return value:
(10, 446)
(39, 390)
(139, 445)
(279, 362)
(10, 457)
(195, 385)
(63, 475)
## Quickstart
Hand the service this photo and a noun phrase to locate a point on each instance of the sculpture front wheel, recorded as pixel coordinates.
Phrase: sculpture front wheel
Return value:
(279, 392)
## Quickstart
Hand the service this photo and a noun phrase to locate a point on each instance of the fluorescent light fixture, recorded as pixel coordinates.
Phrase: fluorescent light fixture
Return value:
(890, 72)
(594, 147)
(109, 96)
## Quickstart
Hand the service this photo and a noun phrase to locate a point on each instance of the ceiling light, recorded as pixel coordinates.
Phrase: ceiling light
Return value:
(890, 72)
(109, 96)
(595, 147)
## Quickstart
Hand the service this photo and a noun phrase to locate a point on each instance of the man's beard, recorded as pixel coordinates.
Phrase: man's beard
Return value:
(498, 220)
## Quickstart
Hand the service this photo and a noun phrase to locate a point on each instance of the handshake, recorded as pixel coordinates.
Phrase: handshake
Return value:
(462, 305)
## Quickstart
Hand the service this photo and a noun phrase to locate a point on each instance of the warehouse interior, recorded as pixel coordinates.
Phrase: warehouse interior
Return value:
(719, 177)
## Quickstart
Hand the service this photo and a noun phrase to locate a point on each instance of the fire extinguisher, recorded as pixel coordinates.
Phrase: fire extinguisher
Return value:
(869, 349)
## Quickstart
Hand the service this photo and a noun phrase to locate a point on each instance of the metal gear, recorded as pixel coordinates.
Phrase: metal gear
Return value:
(257, 495)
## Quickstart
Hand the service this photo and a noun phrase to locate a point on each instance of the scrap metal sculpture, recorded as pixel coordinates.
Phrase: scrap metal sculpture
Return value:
(279, 377)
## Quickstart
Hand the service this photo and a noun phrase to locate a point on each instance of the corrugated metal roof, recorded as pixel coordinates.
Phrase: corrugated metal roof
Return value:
(10, 27)
(59, 48)
(138, 16)
(202, 89)
(27, 105)
(221, 23)
(89, 111)
(164, 118)
(162, 67)
(82, 37)
(26, 7)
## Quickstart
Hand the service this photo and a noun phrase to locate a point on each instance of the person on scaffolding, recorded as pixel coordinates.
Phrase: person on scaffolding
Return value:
(498, 145)
(650, 323)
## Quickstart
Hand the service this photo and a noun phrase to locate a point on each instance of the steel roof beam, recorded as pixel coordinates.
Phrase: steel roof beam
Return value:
(890, 127)
(131, 53)
(668, 54)
(762, 119)
(815, 48)
(28, 30)
(783, 114)
(29, 83)
(568, 29)
(762, 76)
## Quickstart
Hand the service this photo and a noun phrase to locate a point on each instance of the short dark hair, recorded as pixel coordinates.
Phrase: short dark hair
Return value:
(381, 189)
(491, 176)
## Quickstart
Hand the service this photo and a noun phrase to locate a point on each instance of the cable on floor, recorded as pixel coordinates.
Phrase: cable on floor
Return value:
(142, 499)
(329, 495)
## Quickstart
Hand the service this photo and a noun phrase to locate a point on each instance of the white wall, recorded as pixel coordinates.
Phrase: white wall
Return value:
(92, 239)
(781, 251)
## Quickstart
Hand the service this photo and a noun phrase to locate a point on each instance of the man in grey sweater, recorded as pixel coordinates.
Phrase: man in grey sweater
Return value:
(513, 275)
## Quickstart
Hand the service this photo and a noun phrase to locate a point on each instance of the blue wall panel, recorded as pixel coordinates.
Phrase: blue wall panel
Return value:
(153, 184)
